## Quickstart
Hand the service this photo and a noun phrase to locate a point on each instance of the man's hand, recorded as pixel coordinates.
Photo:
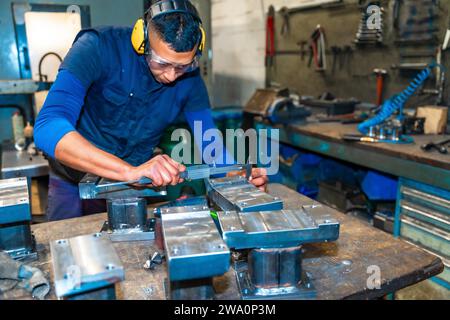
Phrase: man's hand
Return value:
(258, 178)
(163, 171)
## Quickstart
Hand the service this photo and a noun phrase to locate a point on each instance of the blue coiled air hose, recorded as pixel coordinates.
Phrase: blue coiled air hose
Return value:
(398, 101)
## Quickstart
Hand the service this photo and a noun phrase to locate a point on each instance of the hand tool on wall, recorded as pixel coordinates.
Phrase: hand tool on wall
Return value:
(396, 13)
(286, 27)
(302, 45)
(446, 38)
(270, 37)
(318, 44)
(381, 75)
(336, 51)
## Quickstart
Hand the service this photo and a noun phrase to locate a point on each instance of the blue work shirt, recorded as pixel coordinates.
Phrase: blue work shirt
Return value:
(126, 111)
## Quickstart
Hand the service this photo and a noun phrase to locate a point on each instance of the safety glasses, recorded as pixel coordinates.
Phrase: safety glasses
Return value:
(157, 63)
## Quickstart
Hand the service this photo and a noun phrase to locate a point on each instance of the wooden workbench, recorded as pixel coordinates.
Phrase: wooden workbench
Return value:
(339, 270)
(400, 160)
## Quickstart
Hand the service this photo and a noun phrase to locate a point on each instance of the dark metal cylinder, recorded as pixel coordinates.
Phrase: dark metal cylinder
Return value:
(263, 267)
(290, 266)
(200, 289)
(127, 213)
(274, 268)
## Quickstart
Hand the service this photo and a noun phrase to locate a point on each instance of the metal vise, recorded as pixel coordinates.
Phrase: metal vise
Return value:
(126, 206)
(253, 222)
(16, 237)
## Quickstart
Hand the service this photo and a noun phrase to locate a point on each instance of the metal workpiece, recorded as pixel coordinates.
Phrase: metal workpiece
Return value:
(275, 229)
(274, 274)
(173, 210)
(94, 187)
(23, 86)
(17, 164)
(16, 237)
(194, 247)
(236, 193)
(85, 265)
(127, 220)
(14, 201)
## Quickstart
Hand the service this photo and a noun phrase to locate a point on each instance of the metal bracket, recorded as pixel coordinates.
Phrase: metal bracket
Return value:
(16, 237)
(272, 229)
(236, 193)
(84, 265)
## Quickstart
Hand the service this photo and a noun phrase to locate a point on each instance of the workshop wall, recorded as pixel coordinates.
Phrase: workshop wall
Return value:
(111, 12)
(239, 48)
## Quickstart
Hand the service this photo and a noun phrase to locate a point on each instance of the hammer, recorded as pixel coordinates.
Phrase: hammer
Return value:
(381, 75)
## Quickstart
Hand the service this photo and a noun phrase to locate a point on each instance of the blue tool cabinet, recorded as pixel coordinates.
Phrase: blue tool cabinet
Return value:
(423, 218)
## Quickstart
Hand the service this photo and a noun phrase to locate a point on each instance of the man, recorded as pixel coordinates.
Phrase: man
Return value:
(109, 107)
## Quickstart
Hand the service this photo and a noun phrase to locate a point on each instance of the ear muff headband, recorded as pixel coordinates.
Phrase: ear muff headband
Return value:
(139, 36)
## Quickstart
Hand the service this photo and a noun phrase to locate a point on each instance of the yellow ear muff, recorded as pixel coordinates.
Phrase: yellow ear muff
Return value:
(138, 37)
(202, 44)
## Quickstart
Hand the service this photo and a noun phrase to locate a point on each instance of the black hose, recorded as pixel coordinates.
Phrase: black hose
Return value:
(41, 76)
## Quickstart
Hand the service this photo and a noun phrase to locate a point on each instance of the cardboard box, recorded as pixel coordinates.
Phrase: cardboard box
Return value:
(436, 118)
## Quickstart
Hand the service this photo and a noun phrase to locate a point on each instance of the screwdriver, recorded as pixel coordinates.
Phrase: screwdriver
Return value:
(359, 138)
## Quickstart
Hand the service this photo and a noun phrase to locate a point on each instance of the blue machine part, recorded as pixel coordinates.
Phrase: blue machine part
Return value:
(397, 102)
(331, 170)
(298, 170)
(379, 187)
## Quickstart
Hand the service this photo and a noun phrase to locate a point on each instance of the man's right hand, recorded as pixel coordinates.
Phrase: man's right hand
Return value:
(162, 170)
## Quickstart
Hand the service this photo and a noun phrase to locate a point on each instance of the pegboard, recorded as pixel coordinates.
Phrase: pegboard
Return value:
(355, 78)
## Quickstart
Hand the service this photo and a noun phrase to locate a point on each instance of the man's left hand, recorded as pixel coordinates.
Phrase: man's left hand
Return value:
(259, 178)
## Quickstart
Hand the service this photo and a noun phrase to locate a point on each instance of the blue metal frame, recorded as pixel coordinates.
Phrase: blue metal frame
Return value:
(441, 282)
(19, 10)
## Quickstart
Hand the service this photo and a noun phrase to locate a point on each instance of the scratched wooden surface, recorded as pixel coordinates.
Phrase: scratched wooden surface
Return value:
(339, 270)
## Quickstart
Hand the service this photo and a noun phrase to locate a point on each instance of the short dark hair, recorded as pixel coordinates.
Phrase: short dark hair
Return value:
(180, 30)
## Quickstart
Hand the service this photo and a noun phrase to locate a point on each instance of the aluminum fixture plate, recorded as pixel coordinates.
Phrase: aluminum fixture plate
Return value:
(16, 237)
(132, 234)
(273, 229)
(237, 194)
(194, 247)
(90, 188)
(84, 264)
(14, 201)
